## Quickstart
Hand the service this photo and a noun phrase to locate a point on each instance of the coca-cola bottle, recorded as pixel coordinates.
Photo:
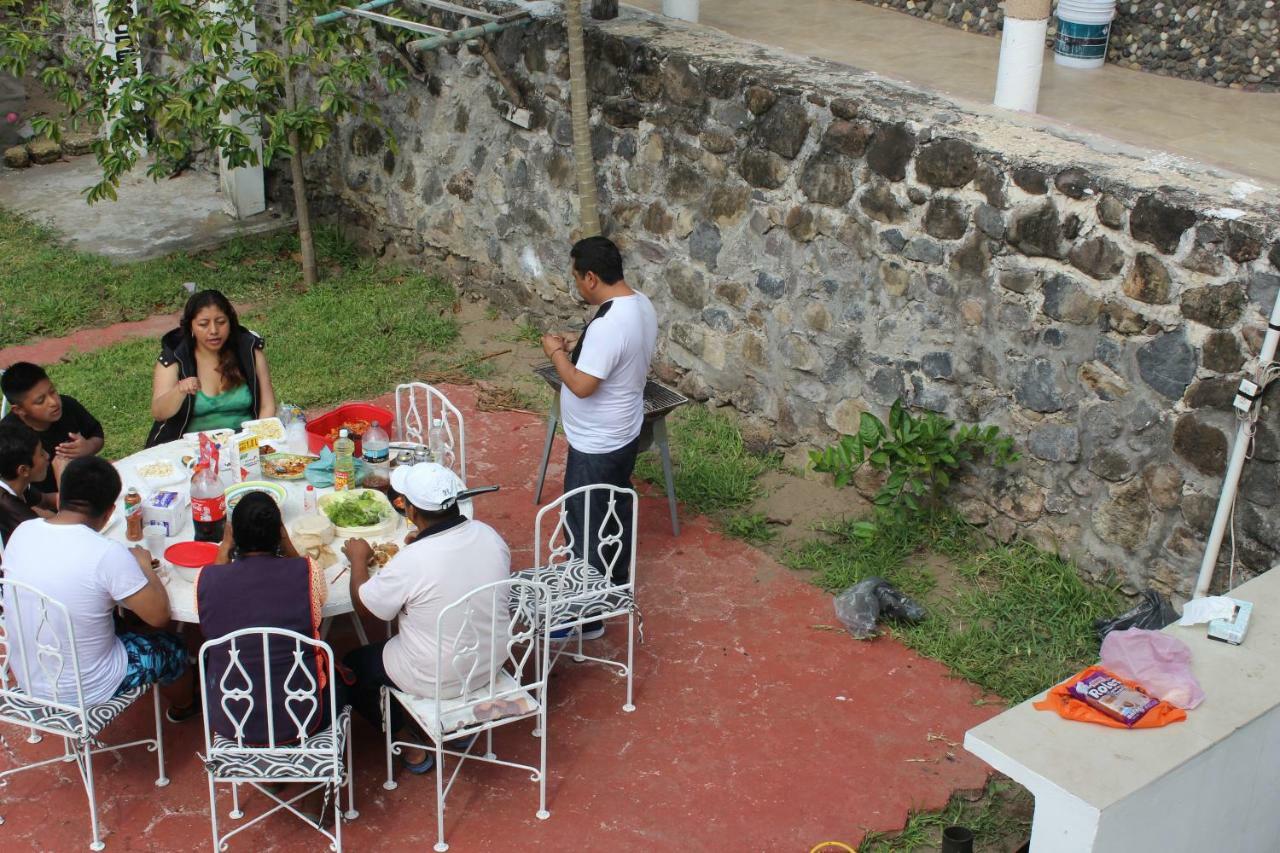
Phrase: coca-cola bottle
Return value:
(208, 505)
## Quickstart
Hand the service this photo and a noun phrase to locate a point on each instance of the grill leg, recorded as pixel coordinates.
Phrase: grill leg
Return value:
(664, 448)
(553, 417)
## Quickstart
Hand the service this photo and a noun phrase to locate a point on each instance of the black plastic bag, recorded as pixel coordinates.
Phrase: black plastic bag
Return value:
(1151, 613)
(862, 605)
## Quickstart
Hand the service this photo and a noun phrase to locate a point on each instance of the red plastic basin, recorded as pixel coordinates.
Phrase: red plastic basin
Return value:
(318, 428)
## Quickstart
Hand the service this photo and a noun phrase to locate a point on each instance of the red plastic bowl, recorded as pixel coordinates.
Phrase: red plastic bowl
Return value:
(318, 428)
(192, 555)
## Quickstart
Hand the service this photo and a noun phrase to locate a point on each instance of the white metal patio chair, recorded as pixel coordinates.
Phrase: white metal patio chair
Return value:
(64, 715)
(509, 687)
(417, 405)
(580, 591)
(301, 746)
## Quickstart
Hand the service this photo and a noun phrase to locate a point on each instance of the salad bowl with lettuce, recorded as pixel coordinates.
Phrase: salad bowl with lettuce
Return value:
(364, 513)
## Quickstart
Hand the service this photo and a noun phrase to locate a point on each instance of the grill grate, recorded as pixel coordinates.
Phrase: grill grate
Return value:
(659, 400)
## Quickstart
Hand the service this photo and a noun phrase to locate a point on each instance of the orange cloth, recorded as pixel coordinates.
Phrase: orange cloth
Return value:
(1059, 699)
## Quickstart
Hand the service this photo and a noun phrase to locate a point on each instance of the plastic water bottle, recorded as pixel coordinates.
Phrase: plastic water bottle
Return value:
(344, 463)
(296, 433)
(309, 500)
(438, 443)
(376, 449)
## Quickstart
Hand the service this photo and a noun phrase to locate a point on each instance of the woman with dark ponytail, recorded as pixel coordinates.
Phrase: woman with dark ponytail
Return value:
(211, 373)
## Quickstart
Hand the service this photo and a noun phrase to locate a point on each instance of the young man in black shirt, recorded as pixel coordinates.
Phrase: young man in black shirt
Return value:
(22, 460)
(66, 429)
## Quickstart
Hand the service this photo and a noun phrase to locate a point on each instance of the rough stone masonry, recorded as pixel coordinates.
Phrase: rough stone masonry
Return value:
(820, 242)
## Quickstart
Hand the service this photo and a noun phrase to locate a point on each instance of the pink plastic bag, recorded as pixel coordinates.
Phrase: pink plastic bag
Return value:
(1159, 662)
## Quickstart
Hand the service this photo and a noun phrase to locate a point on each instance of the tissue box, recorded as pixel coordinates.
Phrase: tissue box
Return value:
(167, 508)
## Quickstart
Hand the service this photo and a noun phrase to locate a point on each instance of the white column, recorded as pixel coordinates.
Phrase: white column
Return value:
(243, 191)
(1021, 54)
(685, 10)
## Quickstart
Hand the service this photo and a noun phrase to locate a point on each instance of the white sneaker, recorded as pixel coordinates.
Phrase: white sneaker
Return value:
(593, 633)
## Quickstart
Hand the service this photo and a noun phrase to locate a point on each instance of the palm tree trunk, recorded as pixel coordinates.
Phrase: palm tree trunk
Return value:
(588, 216)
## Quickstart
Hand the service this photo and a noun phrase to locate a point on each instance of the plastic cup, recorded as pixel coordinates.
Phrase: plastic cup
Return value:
(153, 539)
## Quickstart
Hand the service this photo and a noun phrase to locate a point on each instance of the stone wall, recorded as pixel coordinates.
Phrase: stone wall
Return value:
(819, 242)
(1227, 44)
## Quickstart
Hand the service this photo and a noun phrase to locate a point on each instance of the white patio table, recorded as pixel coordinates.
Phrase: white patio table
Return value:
(182, 593)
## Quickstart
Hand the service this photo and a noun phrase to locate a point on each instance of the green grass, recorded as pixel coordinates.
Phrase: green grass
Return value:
(713, 471)
(526, 333)
(354, 335)
(996, 821)
(1014, 619)
(48, 290)
(749, 527)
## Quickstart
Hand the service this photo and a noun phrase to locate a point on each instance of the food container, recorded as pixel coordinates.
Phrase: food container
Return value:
(188, 558)
(167, 508)
(370, 531)
(318, 428)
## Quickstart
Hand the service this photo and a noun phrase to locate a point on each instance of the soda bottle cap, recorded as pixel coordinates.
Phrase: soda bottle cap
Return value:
(378, 424)
(311, 488)
(437, 422)
(342, 433)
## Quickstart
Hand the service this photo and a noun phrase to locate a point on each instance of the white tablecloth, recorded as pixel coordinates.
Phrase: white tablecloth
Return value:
(182, 593)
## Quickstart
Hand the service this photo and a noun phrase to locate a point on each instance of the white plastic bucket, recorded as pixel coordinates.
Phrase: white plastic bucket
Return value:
(685, 10)
(1084, 28)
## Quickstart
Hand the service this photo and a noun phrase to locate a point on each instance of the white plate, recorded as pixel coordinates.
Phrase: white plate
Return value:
(179, 474)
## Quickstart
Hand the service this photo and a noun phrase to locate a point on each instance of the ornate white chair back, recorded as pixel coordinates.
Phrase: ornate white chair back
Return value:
(417, 406)
(37, 647)
(249, 686)
(601, 531)
(486, 634)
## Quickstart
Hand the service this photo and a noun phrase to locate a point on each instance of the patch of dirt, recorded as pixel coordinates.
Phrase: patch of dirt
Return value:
(793, 504)
(492, 355)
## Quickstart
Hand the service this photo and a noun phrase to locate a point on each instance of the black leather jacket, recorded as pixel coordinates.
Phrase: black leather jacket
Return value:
(175, 348)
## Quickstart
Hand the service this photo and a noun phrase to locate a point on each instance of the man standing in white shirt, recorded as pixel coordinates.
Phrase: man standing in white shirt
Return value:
(446, 559)
(602, 394)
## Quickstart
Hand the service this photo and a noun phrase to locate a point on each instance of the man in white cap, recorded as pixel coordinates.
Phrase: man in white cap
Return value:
(447, 557)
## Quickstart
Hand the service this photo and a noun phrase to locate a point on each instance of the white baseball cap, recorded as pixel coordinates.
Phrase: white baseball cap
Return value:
(429, 486)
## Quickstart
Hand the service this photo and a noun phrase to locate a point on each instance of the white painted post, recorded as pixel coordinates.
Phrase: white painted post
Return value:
(243, 191)
(1021, 54)
(685, 10)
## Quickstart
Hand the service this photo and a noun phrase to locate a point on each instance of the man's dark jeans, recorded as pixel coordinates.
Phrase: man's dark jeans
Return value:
(365, 695)
(613, 468)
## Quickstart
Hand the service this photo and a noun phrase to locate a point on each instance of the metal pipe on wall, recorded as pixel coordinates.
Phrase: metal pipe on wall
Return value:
(1239, 454)
(1026, 22)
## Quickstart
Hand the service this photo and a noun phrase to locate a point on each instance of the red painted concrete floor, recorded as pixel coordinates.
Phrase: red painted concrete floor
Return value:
(753, 729)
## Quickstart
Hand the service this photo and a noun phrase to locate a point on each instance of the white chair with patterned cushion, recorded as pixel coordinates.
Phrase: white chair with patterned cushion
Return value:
(66, 716)
(315, 758)
(510, 687)
(417, 406)
(580, 591)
